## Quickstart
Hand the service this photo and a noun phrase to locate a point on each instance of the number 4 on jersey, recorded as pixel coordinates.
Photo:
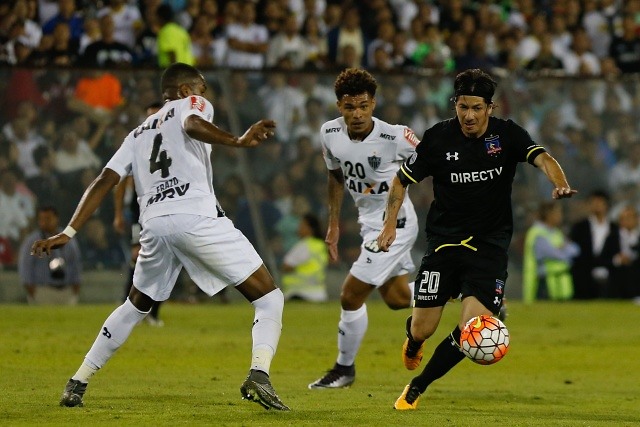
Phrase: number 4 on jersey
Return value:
(159, 159)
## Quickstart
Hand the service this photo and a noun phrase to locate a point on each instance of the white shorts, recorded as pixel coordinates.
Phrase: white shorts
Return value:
(212, 250)
(376, 267)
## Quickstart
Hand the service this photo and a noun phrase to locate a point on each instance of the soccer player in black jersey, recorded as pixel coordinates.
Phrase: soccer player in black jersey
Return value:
(472, 159)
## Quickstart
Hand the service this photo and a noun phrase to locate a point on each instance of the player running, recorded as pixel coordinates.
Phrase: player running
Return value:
(363, 155)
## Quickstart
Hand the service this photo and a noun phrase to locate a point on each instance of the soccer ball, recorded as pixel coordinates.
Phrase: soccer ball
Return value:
(484, 339)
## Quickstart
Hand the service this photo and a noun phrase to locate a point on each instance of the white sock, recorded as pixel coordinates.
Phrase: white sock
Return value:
(267, 325)
(114, 333)
(351, 330)
(412, 289)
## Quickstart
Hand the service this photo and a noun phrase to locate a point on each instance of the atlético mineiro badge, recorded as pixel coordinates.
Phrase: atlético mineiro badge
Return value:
(374, 161)
(493, 145)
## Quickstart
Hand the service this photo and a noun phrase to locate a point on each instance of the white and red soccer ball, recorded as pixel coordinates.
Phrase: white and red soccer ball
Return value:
(484, 339)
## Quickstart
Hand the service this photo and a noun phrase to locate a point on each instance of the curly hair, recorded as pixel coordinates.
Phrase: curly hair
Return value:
(353, 81)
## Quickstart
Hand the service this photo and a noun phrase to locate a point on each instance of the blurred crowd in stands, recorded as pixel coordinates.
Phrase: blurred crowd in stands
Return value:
(82, 73)
(572, 37)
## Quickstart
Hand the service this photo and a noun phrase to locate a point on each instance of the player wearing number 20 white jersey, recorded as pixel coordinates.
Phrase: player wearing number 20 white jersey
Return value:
(370, 165)
(363, 155)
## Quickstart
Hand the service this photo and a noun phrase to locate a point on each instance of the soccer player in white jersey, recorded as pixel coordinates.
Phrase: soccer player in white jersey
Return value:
(363, 155)
(182, 226)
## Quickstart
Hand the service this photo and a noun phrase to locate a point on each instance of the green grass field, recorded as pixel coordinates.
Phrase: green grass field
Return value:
(575, 364)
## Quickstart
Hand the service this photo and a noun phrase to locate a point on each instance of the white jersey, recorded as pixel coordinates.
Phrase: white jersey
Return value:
(370, 165)
(172, 171)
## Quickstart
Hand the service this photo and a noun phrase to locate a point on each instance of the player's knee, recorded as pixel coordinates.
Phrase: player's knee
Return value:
(398, 304)
(422, 332)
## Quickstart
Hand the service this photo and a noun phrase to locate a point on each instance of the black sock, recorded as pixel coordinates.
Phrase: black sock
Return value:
(413, 344)
(446, 356)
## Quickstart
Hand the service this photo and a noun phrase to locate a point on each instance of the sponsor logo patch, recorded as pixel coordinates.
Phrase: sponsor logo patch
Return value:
(411, 137)
(197, 103)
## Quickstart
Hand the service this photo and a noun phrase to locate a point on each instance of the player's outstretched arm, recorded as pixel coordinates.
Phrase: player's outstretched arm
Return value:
(91, 199)
(335, 188)
(394, 202)
(555, 174)
(198, 128)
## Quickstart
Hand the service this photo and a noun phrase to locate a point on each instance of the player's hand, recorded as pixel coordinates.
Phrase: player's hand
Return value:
(118, 223)
(258, 132)
(333, 235)
(563, 192)
(43, 247)
(386, 237)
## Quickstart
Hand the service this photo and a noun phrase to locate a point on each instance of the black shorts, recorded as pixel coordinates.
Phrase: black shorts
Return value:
(454, 270)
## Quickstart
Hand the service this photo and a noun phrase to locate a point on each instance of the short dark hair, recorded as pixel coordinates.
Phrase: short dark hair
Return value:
(48, 208)
(314, 224)
(474, 82)
(40, 153)
(176, 74)
(600, 194)
(165, 13)
(354, 81)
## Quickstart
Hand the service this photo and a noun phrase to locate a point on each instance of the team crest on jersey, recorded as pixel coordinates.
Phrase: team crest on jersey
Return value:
(411, 137)
(197, 103)
(499, 286)
(493, 145)
(374, 161)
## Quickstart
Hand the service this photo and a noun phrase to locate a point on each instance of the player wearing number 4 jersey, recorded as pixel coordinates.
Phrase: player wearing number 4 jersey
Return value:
(472, 159)
(363, 155)
(182, 226)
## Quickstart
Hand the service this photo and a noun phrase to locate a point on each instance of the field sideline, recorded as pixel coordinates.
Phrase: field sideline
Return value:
(573, 364)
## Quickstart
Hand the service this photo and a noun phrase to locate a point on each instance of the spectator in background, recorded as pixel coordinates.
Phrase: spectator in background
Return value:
(346, 43)
(547, 257)
(17, 207)
(97, 95)
(207, 50)
(90, 35)
(545, 60)
(287, 48)
(194, 8)
(599, 241)
(22, 134)
(580, 60)
(305, 265)
(624, 281)
(100, 250)
(63, 51)
(248, 42)
(126, 18)
(107, 52)
(146, 46)
(74, 155)
(174, 43)
(316, 47)
(46, 184)
(625, 50)
(67, 14)
(54, 279)
(26, 30)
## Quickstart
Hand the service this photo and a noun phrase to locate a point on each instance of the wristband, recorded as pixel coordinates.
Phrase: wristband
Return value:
(69, 232)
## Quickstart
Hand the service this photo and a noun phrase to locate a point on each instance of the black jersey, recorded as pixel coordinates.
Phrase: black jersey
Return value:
(472, 178)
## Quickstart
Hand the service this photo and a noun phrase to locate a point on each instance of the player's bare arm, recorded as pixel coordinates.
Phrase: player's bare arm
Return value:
(394, 202)
(118, 205)
(91, 199)
(336, 194)
(202, 130)
(555, 174)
